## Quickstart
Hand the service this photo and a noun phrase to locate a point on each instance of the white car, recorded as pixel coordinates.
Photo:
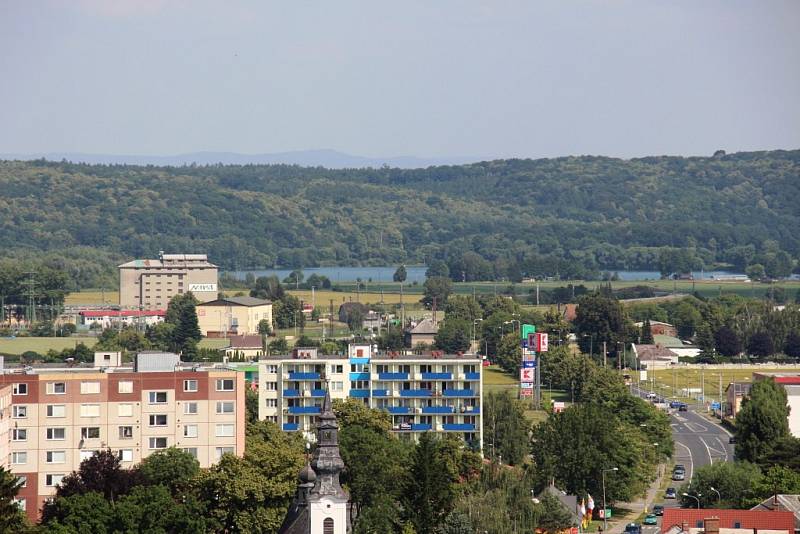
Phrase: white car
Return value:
(651, 395)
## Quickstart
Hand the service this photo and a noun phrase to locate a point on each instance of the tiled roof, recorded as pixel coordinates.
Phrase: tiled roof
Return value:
(788, 378)
(425, 326)
(790, 503)
(237, 301)
(653, 352)
(749, 519)
(245, 342)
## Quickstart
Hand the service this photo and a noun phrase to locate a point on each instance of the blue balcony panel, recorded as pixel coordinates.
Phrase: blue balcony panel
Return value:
(359, 376)
(359, 393)
(304, 410)
(290, 426)
(460, 427)
(303, 376)
(392, 376)
(437, 376)
(360, 361)
(317, 392)
(459, 393)
(437, 409)
(415, 393)
(472, 376)
(380, 392)
(399, 409)
(420, 427)
(291, 392)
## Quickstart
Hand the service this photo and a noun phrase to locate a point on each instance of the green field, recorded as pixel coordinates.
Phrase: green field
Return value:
(41, 345)
(669, 382)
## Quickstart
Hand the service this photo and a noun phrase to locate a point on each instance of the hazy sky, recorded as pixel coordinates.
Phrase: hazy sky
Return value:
(426, 78)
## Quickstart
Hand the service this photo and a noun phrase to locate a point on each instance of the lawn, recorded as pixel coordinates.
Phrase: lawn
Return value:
(41, 345)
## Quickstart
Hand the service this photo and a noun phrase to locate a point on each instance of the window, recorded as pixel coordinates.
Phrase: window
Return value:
(23, 481)
(224, 406)
(189, 431)
(158, 443)
(90, 387)
(158, 397)
(382, 368)
(56, 410)
(20, 389)
(337, 386)
(272, 403)
(359, 384)
(51, 479)
(190, 385)
(191, 450)
(737, 524)
(126, 455)
(90, 432)
(56, 457)
(190, 408)
(223, 450)
(225, 384)
(125, 410)
(337, 369)
(271, 369)
(270, 386)
(90, 410)
(56, 433)
(19, 457)
(271, 418)
(19, 434)
(158, 420)
(126, 432)
(327, 526)
(85, 455)
(56, 388)
(125, 386)
(226, 430)
(19, 412)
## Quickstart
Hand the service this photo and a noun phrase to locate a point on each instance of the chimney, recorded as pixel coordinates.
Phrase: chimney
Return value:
(711, 525)
(684, 526)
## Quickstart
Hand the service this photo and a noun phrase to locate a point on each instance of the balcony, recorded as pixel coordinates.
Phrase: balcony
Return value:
(458, 427)
(392, 376)
(472, 376)
(290, 426)
(299, 410)
(359, 393)
(420, 427)
(458, 393)
(399, 410)
(437, 376)
(358, 361)
(380, 392)
(415, 393)
(437, 409)
(317, 392)
(359, 376)
(303, 376)
(291, 393)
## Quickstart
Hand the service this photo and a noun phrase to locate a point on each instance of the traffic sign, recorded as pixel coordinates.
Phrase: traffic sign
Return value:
(526, 392)
(525, 330)
(527, 374)
(528, 363)
(715, 406)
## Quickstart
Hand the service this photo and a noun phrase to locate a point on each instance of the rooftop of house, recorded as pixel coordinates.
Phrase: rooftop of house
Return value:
(729, 519)
(123, 313)
(237, 301)
(669, 341)
(170, 260)
(653, 352)
(739, 388)
(780, 377)
(789, 503)
(641, 323)
(246, 341)
(425, 326)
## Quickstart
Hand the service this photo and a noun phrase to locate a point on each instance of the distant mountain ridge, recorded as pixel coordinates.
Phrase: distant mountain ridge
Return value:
(331, 159)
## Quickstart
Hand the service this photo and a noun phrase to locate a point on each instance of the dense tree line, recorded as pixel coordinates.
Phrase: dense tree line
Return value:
(561, 217)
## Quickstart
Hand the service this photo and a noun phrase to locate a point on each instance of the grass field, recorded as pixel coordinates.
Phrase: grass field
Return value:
(41, 345)
(92, 297)
(669, 382)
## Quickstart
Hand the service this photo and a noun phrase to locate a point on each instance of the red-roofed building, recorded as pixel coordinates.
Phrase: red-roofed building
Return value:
(717, 521)
(107, 318)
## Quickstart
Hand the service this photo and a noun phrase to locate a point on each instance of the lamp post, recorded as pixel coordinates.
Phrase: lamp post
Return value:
(697, 498)
(605, 509)
(474, 322)
(719, 497)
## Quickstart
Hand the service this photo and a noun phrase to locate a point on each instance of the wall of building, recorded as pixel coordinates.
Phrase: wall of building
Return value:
(151, 288)
(238, 320)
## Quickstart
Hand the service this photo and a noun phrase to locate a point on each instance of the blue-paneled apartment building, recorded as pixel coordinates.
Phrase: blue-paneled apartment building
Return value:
(436, 392)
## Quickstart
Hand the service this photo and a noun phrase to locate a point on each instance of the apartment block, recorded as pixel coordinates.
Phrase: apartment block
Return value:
(150, 284)
(60, 416)
(423, 393)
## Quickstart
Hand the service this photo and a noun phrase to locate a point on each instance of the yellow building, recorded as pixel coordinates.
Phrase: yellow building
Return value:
(232, 316)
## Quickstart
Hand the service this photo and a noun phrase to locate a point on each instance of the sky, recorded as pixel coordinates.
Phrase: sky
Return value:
(425, 78)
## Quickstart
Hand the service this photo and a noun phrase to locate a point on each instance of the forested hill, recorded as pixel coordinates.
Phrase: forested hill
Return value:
(569, 216)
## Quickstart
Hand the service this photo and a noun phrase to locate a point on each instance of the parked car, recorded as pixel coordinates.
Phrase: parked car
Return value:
(658, 509)
(670, 493)
(633, 528)
(679, 467)
(651, 395)
(651, 519)
(675, 404)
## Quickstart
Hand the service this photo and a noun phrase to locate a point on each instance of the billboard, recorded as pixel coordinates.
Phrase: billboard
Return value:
(202, 287)
(527, 374)
(528, 363)
(526, 392)
(525, 330)
(541, 343)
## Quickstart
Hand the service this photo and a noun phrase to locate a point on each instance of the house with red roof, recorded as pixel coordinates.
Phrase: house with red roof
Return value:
(718, 521)
(109, 318)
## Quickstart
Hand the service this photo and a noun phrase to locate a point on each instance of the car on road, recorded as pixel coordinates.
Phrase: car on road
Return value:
(670, 493)
(679, 467)
(683, 408)
(633, 528)
(658, 509)
(650, 519)
(679, 475)
(675, 404)
(652, 395)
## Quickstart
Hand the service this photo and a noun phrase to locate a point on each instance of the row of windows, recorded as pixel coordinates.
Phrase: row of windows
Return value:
(123, 386)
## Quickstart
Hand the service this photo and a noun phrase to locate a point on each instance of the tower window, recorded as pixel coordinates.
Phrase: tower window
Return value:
(327, 526)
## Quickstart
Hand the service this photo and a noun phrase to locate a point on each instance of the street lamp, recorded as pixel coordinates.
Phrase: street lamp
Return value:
(697, 498)
(605, 509)
(474, 322)
(719, 497)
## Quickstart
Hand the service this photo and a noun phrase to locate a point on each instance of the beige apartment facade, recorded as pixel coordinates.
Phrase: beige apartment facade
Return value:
(59, 417)
(232, 316)
(150, 284)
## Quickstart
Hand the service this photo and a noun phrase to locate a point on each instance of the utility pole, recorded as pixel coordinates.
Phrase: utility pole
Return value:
(31, 283)
(605, 355)
(330, 319)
